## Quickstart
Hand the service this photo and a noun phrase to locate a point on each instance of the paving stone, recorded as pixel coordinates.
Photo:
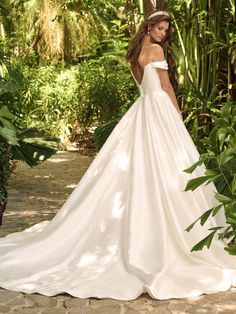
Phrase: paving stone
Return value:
(50, 310)
(178, 308)
(28, 310)
(159, 308)
(154, 303)
(41, 300)
(94, 303)
(224, 307)
(69, 303)
(129, 310)
(79, 310)
(4, 309)
(225, 311)
(145, 302)
(228, 298)
(7, 295)
(20, 301)
(139, 304)
(109, 309)
(200, 309)
(213, 297)
(160, 311)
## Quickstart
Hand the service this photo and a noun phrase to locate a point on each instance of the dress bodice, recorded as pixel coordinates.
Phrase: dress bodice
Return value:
(151, 80)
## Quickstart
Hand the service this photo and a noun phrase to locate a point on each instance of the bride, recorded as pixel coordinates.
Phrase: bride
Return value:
(121, 231)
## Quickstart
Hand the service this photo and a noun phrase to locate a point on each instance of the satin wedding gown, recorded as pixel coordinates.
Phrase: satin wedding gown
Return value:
(121, 231)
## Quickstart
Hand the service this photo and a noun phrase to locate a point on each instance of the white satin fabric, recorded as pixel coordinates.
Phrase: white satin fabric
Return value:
(121, 231)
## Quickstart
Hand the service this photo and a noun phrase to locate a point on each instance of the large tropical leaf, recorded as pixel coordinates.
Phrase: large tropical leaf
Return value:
(5, 113)
(14, 82)
(34, 147)
(8, 135)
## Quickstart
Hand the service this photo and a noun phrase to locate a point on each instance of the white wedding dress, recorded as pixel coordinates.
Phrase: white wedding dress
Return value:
(121, 231)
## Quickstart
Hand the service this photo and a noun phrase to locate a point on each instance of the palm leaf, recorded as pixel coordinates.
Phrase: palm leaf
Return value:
(34, 147)
(102, 133)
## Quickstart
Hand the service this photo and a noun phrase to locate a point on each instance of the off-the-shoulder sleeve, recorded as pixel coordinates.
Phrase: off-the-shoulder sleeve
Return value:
(160, 64)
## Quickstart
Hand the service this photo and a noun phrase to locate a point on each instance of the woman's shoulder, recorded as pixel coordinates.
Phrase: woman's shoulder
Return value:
(151, 53)
(154, 48)
(154, 51)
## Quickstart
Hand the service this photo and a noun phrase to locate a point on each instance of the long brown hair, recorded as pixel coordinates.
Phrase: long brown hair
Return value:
(136, 42)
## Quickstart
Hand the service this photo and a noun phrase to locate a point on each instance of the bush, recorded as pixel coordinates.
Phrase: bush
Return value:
(30, 146)
(220, 161)
(70, 101)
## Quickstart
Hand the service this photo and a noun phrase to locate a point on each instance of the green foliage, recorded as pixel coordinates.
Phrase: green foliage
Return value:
(205, 50)
(5, 166)
(34, 147)
(56, 30)
(49, 100)
(204, 43)
(67, 101)
(70, 100)
(220, 161)
(26, 145)
(30, 146)
(102, 133)
(7, 129)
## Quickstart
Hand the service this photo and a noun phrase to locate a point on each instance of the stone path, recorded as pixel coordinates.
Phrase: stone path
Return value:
(36, 194)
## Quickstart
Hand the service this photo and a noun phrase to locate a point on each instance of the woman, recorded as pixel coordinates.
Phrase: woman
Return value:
(121, 232)
(146, 46)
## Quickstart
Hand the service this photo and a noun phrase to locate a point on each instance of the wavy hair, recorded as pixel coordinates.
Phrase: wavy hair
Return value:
(136, 42)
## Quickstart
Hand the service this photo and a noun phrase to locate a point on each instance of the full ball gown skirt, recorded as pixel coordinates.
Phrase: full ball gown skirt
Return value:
(121, 231)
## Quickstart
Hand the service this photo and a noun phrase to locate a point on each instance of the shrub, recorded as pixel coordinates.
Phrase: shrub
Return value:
(220, 161)
(70, 101)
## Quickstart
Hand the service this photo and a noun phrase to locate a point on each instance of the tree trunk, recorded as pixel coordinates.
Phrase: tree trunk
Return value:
(149, 6)
(161, 4)
(130, 8)
(152, 5)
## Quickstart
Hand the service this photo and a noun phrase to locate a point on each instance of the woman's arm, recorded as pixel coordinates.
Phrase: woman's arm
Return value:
(157, 54)
(166, 85)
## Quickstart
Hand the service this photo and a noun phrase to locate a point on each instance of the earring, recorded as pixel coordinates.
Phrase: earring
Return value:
(148, 32)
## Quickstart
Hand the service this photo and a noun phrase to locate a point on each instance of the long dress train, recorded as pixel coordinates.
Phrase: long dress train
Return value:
(121, 231)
